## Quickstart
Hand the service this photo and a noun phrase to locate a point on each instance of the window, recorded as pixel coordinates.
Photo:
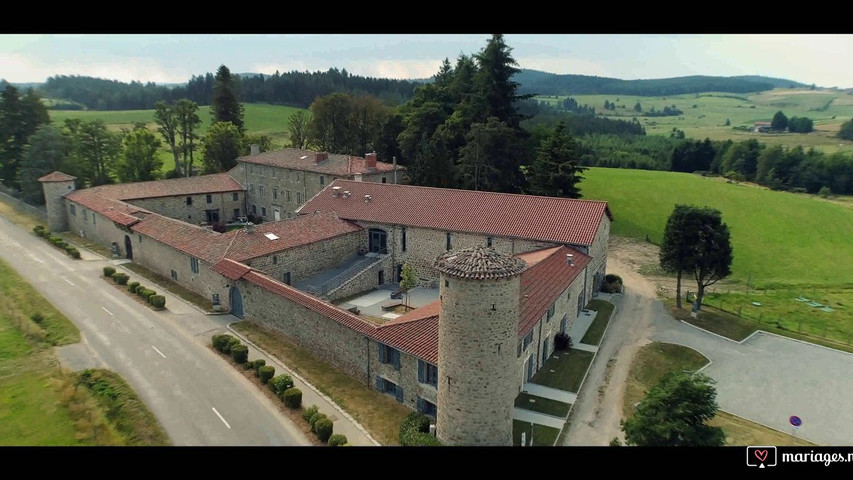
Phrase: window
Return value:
(551, 311)
(274, 172)
(254, 209)
(287, 195)
(236, 213)
(194, 264)
(174, 275)
(528, 339)
(387, 386)
(446, 283)
(189, 200)
(85, 215)
(140, 238)
(285, 277)
(251, 188)
(275, 259)
(275, 194)
(94, 218)
(427, 373)
(72, 209)
(488, 241)
(322, 180)
(263, 211)
(403, 240)
(209, 198)
(262, 190)
(261, 170)
(389, 355)
(235, 196)
(299, 198)
(426, 407)
(569, 295)
(448, 241)
(384, 180)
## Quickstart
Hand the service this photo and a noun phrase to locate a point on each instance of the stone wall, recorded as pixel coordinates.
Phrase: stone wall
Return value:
(96, 227)
(57, 218)
(405, 378)
(176, 207)
(367, 279)
(598, 252)
(307, 260)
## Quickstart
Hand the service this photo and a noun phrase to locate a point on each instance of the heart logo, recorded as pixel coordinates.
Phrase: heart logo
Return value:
(761, 454)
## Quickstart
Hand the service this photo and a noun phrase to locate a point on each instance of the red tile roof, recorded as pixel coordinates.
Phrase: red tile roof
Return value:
(215, 183)
(545, 280)
(116, 210)
(417, 337)
(299, 231)
(230, 269)
(297, 159)
(193, 240)
(56, 176)
(549, 219)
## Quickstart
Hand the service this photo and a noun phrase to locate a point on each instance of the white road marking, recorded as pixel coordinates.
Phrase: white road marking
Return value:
(105, 309)
(220, 417)
(68, 281)
(158, 351)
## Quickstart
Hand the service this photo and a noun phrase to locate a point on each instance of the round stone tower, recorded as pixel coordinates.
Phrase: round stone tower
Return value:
(56, 184)
(477, 338)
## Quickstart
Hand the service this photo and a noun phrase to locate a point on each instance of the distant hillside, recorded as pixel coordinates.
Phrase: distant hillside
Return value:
(543, 83)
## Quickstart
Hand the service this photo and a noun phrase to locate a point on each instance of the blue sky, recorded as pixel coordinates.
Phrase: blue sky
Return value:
(823, 59)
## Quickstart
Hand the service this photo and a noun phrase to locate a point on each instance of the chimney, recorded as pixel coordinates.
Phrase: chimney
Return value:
(368, 198)
(320, 157)
(370, 160)
(250, 227)
(346, 194)
(336, 191)
(256, 149)
(357, 177)
(570, 259)
(394, 160)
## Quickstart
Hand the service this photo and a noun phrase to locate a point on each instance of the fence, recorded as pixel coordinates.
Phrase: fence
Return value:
(40, 212)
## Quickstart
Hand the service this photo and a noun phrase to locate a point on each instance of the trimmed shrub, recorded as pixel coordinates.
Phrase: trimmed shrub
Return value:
(250, 365)
(224, 342)
(281, 383)
(292, 398)
(414, 431)
(309, 412)
(258, 364)
(147, 294)
(121, 278)
(158, 301)
(38, 230)
(37, 317)
(561, 341)
(337, 440)
(612, 284)
(131, 287)
(323, 428)
(61, 244)
(74, 253)
(265, 373)
(240, 353)
(109, 271)
(315, 418)
(140, 289)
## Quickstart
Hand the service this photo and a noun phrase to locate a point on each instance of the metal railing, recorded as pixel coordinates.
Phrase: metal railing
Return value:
(341, 278)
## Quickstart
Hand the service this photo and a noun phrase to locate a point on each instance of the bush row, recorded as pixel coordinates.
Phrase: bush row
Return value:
(281, 386)
(150, 296)
(414, 431)
(57, 242)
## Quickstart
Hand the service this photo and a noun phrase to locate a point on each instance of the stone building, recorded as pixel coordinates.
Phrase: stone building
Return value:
(512, 271)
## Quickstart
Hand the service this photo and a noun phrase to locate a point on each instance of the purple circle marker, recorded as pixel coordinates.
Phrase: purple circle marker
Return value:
(795, 421)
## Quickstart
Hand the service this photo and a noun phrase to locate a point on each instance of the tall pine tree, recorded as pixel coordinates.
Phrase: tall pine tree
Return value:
(225, 105)
(556, 172)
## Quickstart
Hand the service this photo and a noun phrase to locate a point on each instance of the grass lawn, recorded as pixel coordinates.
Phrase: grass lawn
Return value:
(24, 220)
(602, 318)
(542, 405)
(170, 285)
(542, 436)
(380, 414)
(75, 239)
(564, 370)
(655, 359)
(776, 236)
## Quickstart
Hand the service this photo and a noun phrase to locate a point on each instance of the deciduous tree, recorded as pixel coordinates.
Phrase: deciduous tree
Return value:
(139, 159)
(221, 147)
(48, 150)
(187, 121)
(167, 125)
(298, 128)
(98, 150)
(779, 122)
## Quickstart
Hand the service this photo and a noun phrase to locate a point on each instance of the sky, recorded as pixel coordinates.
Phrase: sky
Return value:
(823, 59)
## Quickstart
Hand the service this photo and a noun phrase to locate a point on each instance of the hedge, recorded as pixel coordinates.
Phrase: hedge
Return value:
(292, 398)
(75, 254)
(265, 373)
(131, 287)
(281, 383)
(223, 342)
(140, 289)
(337, 440)
(109, 271)
(315, 418)
(414, 431)
(158, 301)
(309, 412)
(257, 366)
(323, 428)
(250, 365)
(240, 353)
(121, 278)
(147, 294)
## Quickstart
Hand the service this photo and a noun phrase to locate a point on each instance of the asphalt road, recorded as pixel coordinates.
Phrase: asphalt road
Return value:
(198, 398)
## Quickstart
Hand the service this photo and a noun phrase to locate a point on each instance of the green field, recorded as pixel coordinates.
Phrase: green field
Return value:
(260, 119)
(780, 239)
(827, 108)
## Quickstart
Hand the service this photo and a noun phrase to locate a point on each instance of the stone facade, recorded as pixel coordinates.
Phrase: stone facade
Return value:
(96, 227)
(304, 261)
(477, 360)
(406, 378)
(364, 280)
(598, 251)
(57, 220)
(193, 208)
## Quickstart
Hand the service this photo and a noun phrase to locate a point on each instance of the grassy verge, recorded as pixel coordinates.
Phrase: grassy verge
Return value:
(380, 414)
(75, 239)
(542, 405)
(18, 217)
(171, 286)
(542, 436)
(655, 359)
(564, 370)
(599, 325)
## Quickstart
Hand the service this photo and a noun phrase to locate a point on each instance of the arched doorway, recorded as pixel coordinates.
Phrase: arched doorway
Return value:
(236, 302)
(128, 247)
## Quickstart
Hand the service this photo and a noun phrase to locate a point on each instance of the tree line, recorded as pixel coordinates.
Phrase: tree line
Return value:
(290, 88)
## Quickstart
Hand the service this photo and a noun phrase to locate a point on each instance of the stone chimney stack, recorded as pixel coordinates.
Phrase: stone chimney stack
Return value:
(256, 149)
(370, 160)
(320, 157)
